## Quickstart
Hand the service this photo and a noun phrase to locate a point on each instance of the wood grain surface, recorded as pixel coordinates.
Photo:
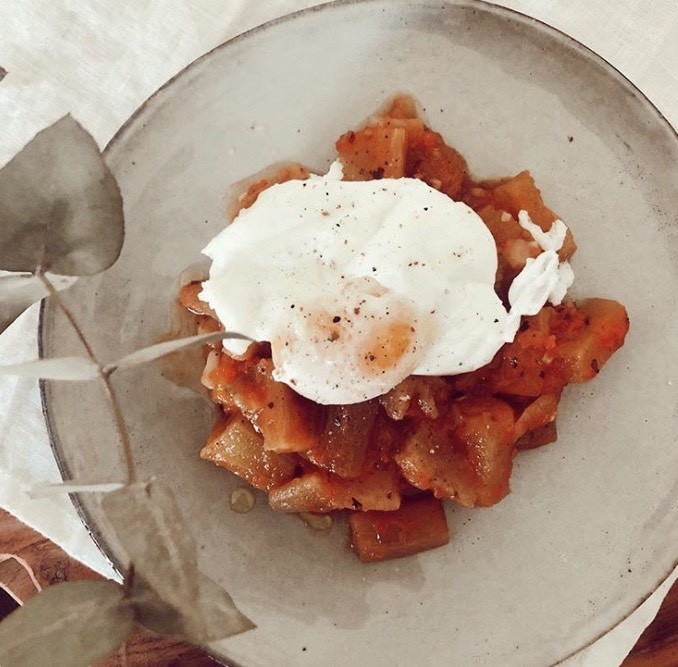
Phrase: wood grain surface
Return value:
(657, 647)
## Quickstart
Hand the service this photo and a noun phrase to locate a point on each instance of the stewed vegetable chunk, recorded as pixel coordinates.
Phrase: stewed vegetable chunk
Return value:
(418, 525)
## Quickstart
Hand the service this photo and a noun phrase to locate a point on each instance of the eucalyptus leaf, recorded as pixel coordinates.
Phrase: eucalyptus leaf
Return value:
(73, 487)
(18, 291)
(215, 617)
(60, 205)
(60, 368)
(150, 527)
(222, 618)
(155, 614)
(67, 625)
(153, 352)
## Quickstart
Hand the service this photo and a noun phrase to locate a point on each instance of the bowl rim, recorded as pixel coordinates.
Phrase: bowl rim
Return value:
(333, 5)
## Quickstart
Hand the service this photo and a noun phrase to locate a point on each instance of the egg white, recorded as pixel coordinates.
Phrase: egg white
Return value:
(359, 284)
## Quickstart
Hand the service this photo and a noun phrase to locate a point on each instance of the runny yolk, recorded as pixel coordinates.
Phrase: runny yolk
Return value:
(326, 327)
(389, 344)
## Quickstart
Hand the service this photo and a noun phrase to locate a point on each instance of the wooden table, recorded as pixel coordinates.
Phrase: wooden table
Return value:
(657, 647)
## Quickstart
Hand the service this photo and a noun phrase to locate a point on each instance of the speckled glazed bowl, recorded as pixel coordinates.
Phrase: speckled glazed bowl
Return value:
(590, 527)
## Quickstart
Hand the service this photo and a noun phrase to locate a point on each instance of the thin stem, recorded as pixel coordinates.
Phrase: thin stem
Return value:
(128, 580)
(122, 652)
(54, 294)
(121, 426)
(127, 585)
(118, 418)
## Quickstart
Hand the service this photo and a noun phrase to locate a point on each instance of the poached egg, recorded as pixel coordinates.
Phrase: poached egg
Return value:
(358, 284)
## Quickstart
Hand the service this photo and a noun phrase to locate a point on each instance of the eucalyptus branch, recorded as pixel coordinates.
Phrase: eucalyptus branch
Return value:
(118, 418)
(78, 623)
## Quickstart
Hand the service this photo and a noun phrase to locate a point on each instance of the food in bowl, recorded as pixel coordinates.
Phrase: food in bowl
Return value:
(411, 334)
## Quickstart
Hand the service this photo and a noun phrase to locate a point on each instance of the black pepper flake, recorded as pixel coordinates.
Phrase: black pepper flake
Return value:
(292, 306)
(377, 173)
(595, 366)
(496, 320)
(271, 405)
(336, 319)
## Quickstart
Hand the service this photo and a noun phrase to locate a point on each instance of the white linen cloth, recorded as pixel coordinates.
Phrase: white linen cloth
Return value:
(100, 60)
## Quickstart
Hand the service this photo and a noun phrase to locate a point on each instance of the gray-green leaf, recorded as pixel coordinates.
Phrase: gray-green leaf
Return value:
(60, 368)
(153, 352)
(72, 487)
(171, 596)
(60, 205)
(19, 291)
(222, 618)
(67, 625)
(150, 527)
(215, 617)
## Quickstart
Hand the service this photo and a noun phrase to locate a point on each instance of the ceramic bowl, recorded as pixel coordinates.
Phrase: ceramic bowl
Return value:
(590, 527)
